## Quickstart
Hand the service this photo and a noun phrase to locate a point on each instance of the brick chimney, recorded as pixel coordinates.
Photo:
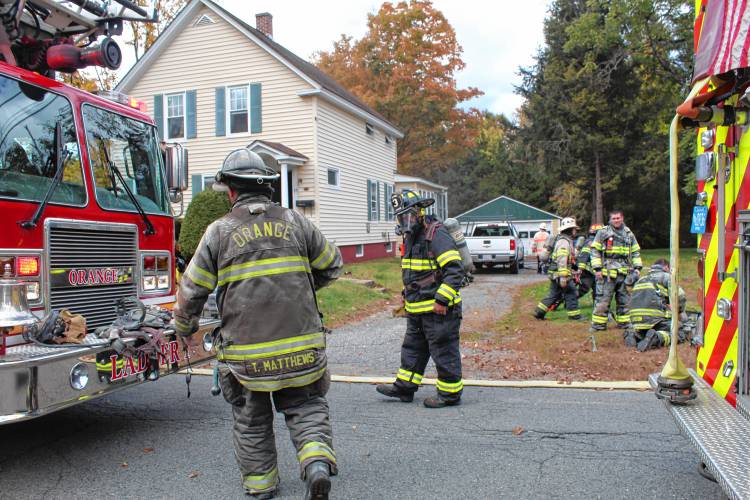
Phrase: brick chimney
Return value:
(264, 23)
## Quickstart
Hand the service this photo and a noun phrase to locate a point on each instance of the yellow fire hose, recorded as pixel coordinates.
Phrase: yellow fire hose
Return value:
(675, 382)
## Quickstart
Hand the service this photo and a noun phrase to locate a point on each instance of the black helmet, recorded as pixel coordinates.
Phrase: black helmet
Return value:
(244, 166)
(408, 199)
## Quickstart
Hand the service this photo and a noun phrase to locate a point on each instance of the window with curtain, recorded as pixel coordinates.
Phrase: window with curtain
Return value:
(176, 116)
(239, 116)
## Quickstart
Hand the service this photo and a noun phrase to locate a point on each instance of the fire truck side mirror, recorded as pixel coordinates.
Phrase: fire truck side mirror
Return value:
(176, 165)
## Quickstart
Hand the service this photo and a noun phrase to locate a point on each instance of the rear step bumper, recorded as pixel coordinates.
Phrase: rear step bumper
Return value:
(720, 433)
(35, 380)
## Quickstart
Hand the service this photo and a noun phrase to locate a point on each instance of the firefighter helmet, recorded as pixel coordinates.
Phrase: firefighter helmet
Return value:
(595, 227)
(568, 223)
(244, 166)
(407, 199)
(543, 226)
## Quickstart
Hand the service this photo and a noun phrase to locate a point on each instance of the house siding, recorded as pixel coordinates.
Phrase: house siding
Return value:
(202, 65)
(344, 144)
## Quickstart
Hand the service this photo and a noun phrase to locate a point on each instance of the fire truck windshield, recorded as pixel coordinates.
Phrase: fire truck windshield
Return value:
(28, 116)
(131, 148)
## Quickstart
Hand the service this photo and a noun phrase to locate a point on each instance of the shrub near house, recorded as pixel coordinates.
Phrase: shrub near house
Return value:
(206, 207)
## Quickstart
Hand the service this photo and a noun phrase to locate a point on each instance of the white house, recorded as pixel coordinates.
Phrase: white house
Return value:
(216, 84)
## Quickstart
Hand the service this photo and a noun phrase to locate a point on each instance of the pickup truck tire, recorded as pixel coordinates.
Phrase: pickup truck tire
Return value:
(514, 267)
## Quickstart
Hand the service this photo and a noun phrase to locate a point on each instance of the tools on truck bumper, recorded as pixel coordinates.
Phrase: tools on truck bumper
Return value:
(36, 380)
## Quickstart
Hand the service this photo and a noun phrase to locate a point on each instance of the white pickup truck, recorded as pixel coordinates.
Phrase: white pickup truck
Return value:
(495, 244)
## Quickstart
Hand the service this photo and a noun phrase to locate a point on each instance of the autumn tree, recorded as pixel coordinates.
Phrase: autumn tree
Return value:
(404, 67)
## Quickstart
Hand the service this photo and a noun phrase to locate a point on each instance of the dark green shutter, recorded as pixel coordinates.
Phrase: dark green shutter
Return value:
(256, 122)
(191, 99)
(221, 110)
(378, 197)
(369, 193)
(197, 180)
(159, 114)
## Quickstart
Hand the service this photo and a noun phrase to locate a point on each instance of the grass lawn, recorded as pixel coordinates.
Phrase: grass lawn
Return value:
(561, 349)
(344, 301)
(385, 272)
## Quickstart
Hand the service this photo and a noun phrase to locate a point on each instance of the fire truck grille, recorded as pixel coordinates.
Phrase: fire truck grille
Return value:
(78, 246)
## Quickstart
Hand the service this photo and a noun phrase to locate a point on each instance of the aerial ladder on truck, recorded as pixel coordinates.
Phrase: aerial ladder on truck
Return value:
(87, 233)
(711, 404)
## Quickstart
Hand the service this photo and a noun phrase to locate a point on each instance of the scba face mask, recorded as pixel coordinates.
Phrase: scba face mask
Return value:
(407, 222)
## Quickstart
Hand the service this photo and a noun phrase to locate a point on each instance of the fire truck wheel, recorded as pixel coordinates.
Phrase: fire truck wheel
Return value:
(703, 471)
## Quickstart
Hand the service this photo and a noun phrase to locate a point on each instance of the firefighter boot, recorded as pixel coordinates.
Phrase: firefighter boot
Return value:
(266, 495)
(650, 341)
(438, 402)
(630, 338)
(539, 314)
(318, 477)
(392, 391)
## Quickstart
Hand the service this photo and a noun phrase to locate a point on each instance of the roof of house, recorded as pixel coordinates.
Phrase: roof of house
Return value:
(506, 208)
(410, 178)
(277, 146)
(303, 68)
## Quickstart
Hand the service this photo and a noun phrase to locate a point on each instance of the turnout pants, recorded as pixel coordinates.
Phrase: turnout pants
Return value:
(557, 294)
(587, 284)
(306, 412)
(436, 336)
(607, 288)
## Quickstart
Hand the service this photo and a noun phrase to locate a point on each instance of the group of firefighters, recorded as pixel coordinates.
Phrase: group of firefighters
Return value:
(266, 264)
(608, 264)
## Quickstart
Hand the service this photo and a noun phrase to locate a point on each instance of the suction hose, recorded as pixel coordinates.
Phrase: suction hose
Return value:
(675, 382)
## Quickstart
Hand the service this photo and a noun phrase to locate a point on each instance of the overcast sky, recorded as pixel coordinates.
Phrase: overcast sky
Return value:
(497, 36)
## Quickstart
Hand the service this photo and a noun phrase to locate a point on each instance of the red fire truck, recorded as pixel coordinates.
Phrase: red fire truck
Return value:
(711, 404)
(86, 193)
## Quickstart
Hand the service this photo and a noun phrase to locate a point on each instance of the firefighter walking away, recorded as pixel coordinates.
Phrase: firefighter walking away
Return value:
(562, 285)
(432, 273)
(651, 312)
(266, 263)
(615, 259)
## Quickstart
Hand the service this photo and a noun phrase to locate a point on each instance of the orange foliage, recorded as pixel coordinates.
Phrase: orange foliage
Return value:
(404, 67)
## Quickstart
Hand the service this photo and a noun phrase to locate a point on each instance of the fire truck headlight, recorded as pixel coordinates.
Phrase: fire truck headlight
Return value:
(149, 282)
(79, 376)
(163, 282)
(32, 292)
(724, 309)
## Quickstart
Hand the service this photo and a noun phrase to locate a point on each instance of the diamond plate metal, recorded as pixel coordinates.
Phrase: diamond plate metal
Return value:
(721, 435)
(28, 351)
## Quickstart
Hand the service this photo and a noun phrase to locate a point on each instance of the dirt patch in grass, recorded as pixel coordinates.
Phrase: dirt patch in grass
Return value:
(521, 347)
(385, 272)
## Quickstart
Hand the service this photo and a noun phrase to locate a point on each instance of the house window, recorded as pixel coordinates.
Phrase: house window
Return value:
(369, 129)
(389, 247)
(176, 116)
(333, 177)
(372, 200)
(239, 116)
(208, 181)
(359, 251)
(388, 207)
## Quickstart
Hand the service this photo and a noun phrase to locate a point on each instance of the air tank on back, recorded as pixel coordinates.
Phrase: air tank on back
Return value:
(454, 229)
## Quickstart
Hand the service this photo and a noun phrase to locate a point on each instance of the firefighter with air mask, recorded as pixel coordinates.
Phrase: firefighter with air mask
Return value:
(432, 273)
(266, 263)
